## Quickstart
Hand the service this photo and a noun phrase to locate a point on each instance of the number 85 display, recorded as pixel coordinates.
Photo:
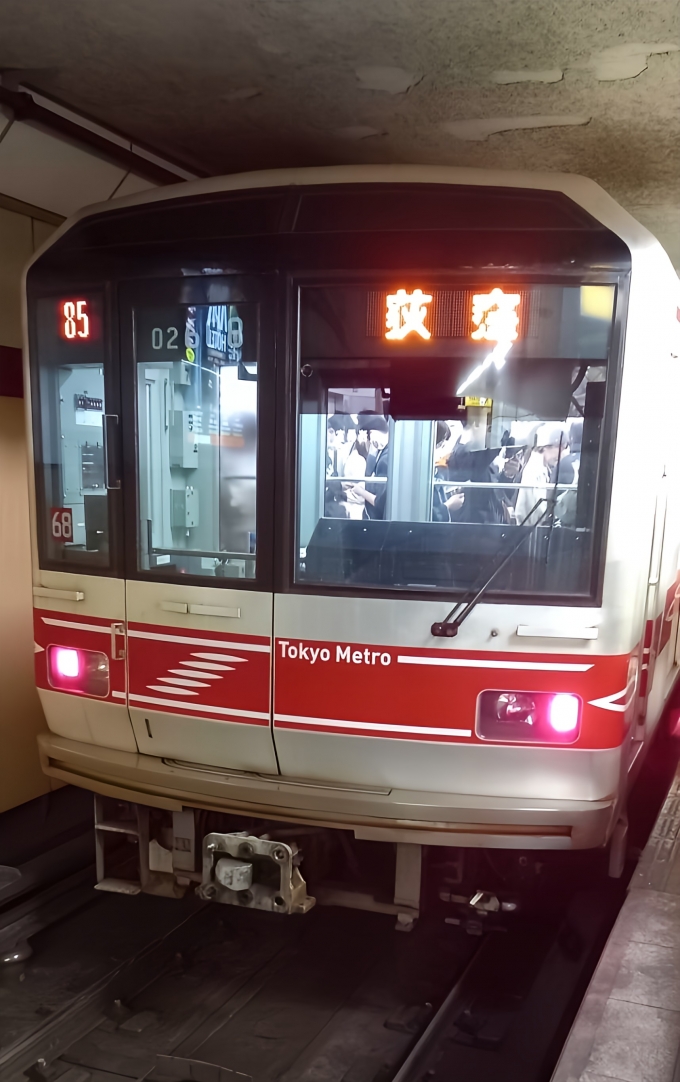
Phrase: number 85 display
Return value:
(76, 319)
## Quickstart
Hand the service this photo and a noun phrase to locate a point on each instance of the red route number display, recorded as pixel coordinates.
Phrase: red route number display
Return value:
(74, 320)
(61, 524)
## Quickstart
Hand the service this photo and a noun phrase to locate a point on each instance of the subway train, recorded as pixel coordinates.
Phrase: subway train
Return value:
(353, 538)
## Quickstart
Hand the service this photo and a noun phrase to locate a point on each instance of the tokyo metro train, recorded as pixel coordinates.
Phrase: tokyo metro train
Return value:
(356, 524)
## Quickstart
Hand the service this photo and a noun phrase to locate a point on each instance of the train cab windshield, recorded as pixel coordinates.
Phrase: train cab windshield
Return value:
(438, 425)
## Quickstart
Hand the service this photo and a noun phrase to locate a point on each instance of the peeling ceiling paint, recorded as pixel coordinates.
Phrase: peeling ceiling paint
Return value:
(618, 62)
(550, 75)
(626, 61)
(234, 85)
(390, 80)
(477, 130)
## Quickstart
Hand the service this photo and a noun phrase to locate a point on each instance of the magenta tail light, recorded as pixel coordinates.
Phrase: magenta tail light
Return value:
(85, 672)
(563, 713)
(66, 663)
(529, 717)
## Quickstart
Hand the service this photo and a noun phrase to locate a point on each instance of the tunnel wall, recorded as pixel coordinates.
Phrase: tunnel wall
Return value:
(43, 177)
(21, 716)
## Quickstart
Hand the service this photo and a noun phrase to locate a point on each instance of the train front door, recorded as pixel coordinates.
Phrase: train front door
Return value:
(199, 600)
(360, 698)
(417, 471)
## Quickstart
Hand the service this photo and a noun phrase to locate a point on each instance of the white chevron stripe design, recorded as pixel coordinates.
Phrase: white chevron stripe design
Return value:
(219, 657)
(196, 674)
(207, 665)
(168, 691)
(179, 682)
(193, 677)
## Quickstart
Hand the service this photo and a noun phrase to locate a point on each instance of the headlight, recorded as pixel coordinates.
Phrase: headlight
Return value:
(515, 706)
(83, 671)
(539, 717)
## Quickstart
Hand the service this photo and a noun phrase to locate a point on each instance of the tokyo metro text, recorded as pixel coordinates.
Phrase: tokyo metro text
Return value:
(337, 652)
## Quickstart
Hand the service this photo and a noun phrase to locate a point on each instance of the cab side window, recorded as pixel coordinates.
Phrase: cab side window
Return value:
(73, 468)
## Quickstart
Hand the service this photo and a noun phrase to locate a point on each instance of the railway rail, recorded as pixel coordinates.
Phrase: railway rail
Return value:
(337, 996)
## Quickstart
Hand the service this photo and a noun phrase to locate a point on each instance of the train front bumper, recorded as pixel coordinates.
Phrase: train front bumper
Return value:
(425, 818)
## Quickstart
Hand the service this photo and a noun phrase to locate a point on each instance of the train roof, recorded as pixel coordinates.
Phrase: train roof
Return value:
(599, 206)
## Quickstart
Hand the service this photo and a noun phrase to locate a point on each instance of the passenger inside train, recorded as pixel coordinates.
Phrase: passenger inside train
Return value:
(459, 454)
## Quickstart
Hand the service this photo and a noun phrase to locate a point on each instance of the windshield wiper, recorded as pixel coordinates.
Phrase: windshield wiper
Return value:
(553, 502)
(448, 627)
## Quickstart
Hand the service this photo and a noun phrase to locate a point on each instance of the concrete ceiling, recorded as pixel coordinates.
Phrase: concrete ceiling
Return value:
(230, 85)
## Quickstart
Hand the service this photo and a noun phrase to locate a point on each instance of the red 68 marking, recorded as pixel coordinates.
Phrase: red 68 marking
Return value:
(61, 519)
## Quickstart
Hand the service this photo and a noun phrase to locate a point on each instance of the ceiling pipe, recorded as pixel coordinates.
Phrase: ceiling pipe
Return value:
(24, 107)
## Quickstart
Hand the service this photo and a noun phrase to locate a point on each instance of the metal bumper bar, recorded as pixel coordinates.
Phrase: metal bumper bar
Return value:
(399, 816)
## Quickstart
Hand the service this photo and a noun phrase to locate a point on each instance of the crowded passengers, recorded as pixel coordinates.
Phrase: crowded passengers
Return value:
(510, 483)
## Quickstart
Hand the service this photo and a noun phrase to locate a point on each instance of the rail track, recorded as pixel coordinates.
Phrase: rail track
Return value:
(225, 995)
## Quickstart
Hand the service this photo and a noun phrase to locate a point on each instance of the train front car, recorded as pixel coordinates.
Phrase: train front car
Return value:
(351, 516)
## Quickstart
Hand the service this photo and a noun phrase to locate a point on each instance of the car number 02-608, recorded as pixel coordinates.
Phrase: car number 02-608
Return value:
(62, 524)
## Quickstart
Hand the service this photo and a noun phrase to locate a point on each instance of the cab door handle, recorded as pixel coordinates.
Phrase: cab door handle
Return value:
(116, 630)
(215, 610)
(111, 432)
(58, 595)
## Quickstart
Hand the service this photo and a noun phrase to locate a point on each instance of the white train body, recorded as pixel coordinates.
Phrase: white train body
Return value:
(306, 685)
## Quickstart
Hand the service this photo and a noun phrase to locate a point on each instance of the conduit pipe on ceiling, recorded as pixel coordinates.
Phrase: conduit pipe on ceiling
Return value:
(24, 107)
